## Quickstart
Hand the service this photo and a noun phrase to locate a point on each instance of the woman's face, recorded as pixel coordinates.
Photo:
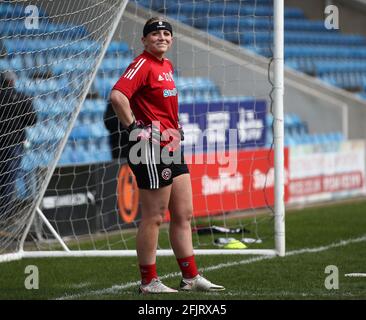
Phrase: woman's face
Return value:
(158, 42)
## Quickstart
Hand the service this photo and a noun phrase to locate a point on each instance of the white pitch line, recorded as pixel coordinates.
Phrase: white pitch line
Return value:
(360, 275)
(80, 285)
(118, 288)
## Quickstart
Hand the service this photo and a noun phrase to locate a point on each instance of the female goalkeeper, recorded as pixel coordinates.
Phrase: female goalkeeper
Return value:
(145, 100)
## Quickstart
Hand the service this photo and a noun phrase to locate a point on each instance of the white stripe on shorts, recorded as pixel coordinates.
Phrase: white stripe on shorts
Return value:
(148, 165)
(154, 167)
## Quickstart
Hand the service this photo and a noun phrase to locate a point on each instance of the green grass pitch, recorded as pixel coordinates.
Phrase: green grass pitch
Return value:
(315, 238)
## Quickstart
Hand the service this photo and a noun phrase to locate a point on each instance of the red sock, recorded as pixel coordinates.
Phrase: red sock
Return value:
(188, 267)
(148, 272)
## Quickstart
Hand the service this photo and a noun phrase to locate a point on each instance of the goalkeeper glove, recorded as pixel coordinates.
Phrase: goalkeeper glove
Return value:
(181, 132)
(144, 132)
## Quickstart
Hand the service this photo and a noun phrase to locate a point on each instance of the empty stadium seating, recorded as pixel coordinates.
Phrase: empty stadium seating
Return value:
(249, 24)
(297, 132)
(313, 50)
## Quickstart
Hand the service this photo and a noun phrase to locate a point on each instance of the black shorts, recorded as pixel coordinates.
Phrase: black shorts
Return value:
(157, 168)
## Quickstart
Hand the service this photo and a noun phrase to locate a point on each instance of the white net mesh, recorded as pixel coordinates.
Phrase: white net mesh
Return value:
(92, 199)
(51, 49)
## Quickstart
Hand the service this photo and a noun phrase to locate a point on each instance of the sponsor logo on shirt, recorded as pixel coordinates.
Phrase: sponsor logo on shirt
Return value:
(170, 93)
(167, 76)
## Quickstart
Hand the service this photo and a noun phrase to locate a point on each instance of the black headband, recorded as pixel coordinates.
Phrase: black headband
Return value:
(156, 26)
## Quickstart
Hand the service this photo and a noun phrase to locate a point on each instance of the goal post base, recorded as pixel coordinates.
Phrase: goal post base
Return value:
(132, 253)
(8, 257)
(222, 88)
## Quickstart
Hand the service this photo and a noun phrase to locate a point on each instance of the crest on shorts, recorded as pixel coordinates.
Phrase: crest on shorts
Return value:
(166, 174)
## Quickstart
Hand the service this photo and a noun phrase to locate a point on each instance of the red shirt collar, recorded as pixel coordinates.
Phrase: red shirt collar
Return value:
(152, 57)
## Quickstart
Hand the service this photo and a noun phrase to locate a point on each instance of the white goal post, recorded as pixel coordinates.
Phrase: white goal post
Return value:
(100, 36)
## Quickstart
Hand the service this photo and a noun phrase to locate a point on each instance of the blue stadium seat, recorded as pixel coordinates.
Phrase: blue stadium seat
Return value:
(324, 38)
(14, 64)
(114, 65)
(99, 105)
(38, 134)
(65, 158)
(29, 161)
(293, 38)
(337, 136)
(80, 154)
(53, 47)
(64, 30)
(232, 23)
(118, 47)
(43, 86)
(325, 52)
(73, 66)
(85, 47)
(307, 41)
(159, 5)
(104, 153)
(348, 67)
(104, 86)
(5, 64)
(362, 95)
(351, 81)
(9, 28)
(294, 65)
(289, 140)
(21, 191)
(198, 9)
(29, 61)
(80, 132)
(41, 105)
(88, 105)
(296, 132)
(12, 11)
(8, 10)
(92, 150)
(45, 29)
(98, 130)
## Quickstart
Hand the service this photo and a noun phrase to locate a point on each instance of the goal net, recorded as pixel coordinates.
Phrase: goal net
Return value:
(66, 189)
